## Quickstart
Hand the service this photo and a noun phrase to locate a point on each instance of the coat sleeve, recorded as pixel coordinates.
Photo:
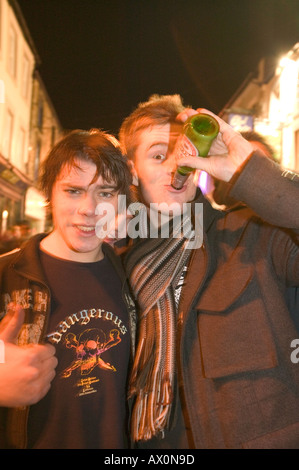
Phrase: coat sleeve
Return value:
(271, 192)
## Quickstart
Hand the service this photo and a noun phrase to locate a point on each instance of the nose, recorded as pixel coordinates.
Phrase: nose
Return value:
(170, 163)
(87, 205)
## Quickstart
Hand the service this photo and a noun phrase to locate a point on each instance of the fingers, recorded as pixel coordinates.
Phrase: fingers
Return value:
(43, 365)
(27, 374)
(12, 322)
(28, 371)
(184, 115)
(207, 111)
(223, 126)
(42, 383)
(226, 133)
(42, 352)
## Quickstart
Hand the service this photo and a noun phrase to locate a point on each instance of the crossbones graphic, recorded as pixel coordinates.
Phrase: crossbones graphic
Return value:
(89, 346)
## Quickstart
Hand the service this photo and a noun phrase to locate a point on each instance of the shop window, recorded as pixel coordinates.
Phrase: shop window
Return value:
(40, 114)
(37, 158)
(25, 77)
(12, 52)
(53, 136)
(8, 133)
(10, 213)
(22, 155)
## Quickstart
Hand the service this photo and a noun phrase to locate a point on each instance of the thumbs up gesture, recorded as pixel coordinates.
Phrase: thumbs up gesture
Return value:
(26, 372)
(11, 323)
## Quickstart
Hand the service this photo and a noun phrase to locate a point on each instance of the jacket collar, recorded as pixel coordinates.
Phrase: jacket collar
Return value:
(27, 261)
(209, 213)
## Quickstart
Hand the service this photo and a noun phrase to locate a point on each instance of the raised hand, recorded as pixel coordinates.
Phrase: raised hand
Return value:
(228, 151)
(26, 372)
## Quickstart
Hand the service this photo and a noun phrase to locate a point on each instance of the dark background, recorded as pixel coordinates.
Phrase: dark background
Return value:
(100, 58)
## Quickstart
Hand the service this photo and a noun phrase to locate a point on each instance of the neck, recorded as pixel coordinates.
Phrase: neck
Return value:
(55, 246)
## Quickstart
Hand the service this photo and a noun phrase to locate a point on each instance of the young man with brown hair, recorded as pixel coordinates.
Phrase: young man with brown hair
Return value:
(213, 364)
(72, 290)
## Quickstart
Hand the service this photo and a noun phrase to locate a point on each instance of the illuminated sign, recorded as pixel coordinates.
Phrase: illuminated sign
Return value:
(241, 122)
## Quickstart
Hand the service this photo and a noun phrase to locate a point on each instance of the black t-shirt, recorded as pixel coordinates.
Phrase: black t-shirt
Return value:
(86, 405)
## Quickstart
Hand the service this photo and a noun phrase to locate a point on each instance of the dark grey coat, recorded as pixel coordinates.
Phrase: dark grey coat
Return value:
(240, 387)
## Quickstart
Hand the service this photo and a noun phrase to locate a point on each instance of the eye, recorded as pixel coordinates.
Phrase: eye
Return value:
(73, 191)
(106, 195)
(159, 156)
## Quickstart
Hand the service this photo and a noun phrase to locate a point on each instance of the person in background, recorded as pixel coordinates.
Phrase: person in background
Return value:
(13, 238)
(217, 190)
(259, 142)
(213, 364)
(65, 298)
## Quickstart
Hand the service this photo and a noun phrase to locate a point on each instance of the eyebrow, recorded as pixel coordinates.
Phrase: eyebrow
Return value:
(99, 186)
(157, 144)
(107, 186)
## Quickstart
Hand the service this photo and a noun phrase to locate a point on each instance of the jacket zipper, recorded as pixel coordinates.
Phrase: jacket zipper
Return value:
(26, 409)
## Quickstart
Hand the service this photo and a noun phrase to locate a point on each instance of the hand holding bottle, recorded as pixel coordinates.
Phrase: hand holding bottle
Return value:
(228, 151)
(197, 135)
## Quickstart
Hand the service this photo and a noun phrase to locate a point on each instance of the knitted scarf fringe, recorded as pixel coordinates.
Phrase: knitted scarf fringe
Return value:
(154, 268)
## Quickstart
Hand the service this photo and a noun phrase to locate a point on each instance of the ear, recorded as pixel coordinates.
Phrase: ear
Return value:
(134, 173)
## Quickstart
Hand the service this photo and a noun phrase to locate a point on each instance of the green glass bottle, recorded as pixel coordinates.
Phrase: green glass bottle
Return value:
(197, 136)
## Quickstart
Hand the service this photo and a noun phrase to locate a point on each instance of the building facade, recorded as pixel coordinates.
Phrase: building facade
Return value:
(268, 103)
(29, 126)
(17, 62)
(44, 132)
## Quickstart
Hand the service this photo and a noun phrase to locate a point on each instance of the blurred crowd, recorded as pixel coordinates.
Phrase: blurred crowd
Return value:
(15, 236)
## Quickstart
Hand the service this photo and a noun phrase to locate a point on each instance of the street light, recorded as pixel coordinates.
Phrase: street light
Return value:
(4, 221)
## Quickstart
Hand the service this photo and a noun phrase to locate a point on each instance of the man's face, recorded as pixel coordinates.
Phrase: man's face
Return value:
(75, 197)
(155, 163)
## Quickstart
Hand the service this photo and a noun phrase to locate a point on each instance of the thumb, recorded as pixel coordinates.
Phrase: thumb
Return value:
(11, 324)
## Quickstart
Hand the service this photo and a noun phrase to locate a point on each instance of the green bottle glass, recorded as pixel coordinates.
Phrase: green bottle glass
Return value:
(197, 136)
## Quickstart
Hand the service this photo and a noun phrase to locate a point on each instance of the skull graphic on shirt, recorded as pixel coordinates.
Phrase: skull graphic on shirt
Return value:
(89, 346)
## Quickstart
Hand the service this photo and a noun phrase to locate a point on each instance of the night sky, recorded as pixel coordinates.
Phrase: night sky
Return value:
(100, 58)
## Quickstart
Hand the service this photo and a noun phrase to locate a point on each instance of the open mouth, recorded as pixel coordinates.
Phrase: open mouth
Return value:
(86, 228)
(177, 191)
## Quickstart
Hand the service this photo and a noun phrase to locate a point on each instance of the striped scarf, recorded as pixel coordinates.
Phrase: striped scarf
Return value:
(154, 267)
